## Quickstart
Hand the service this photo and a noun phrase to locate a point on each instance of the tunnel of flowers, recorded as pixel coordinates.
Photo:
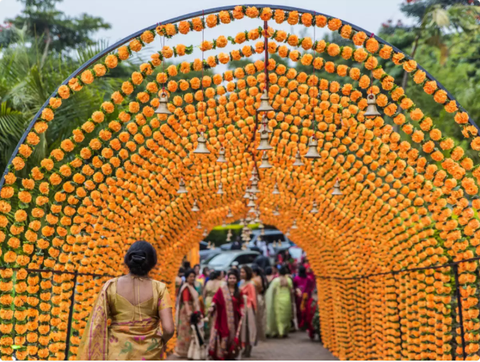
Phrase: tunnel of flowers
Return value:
(384, 204)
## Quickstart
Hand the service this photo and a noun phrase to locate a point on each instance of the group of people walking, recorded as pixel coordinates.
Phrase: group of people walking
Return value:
(222, 315)
(218, 315)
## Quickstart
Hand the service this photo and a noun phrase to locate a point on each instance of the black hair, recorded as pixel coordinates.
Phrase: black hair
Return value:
(259, 271)
(284, 270)
(186, 265)
(302, 272)
(268, 270)
(181, 270)
(188, 272)
(140, 258)
(248, 271)
(214, 274)
(235, 273)
(196, 266)
(205, 270)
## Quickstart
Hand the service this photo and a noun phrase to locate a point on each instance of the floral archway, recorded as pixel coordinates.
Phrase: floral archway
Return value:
(394, 248)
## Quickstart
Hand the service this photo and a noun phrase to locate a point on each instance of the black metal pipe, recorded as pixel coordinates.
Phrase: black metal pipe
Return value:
(460, 312)
(70, 317)
(196, 14)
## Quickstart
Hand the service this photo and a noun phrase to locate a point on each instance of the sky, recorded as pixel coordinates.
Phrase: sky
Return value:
(128, 16)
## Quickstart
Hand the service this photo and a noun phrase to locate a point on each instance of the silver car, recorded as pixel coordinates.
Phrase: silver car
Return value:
(226, 259)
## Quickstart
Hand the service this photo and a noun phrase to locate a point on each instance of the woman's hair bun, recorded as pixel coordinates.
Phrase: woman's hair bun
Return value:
(141, 258)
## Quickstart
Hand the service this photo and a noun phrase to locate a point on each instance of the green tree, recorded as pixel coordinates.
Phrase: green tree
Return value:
(59, 31)
(26, 81)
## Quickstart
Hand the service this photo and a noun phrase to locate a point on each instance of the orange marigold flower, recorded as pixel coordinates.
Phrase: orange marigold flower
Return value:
(440, 96)
(55, 102)
(461, 117)
(111, 61)
(147, 36)
(135, 45)
(372, 45)
(359, 38)
(385, 52)
(346, 32)
(87, 77)
(64, 92)
(451, 107)
(334, 24)
(410, 65)
(25, 150)
(47, 114)
(252, 12)
(18, 163)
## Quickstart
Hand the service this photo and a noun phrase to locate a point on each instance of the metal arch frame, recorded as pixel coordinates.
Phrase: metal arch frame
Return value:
(130, 37)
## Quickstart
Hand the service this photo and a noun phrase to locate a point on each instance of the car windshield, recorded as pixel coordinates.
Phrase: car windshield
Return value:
(221, 259)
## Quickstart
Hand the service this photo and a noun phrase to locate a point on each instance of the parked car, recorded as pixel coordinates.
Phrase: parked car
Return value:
(270, 236)
(207, 254)
(225, 259)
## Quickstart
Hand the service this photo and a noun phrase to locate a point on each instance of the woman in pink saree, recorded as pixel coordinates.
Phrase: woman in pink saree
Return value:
(304, 286)
(135, 304)
(226, 310)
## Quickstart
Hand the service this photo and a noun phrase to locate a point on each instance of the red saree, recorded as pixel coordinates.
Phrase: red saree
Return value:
(225, 325)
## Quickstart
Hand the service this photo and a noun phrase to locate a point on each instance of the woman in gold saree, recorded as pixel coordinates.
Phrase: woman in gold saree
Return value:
(135, 306)
(187, 304)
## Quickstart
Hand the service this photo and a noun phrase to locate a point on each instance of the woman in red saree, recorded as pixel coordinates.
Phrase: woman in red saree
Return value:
(304, 286)
(249, 322)
(226, 309)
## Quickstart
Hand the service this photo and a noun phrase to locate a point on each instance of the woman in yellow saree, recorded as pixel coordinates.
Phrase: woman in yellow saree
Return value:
(134, 304)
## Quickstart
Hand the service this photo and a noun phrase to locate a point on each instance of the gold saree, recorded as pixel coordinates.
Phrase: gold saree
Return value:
(133, 333)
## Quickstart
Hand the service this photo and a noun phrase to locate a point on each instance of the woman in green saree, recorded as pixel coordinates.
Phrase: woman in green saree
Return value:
(279, 305)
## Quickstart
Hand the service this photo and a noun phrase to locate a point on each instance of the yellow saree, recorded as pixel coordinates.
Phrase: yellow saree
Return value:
(133, 333)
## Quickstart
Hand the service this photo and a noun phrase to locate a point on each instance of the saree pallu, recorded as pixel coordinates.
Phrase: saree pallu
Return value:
(261, 317)
(189, 295)
(211, 288)
(224, 343)
(249, 321)
(134, 331)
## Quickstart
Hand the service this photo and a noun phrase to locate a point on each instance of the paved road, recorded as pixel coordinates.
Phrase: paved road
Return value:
(296, 347)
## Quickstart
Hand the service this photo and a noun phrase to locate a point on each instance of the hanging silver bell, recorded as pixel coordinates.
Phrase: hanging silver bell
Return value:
(251, 203)
(242, 222)
(199, 224)
(247, 194)
(181, 187)
(220, 189)
(275, 212)
(163, 105)
(257, 220)
(221, 155)
(371, 111)
(206, 234)
(230, 213)
(314, 209)
(275, 190)
(265, 128)
(195, 206)
(312, 148)
(252, 210)
(202, 145)
(253, 189)
(224, 224)
(265, 102)
(294, 225)
(265, 163)
(298, 160)
(254, 175)
(264, 145)
(336, 188)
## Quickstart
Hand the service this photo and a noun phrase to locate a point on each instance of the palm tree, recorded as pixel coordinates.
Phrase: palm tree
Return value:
(29, 73)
